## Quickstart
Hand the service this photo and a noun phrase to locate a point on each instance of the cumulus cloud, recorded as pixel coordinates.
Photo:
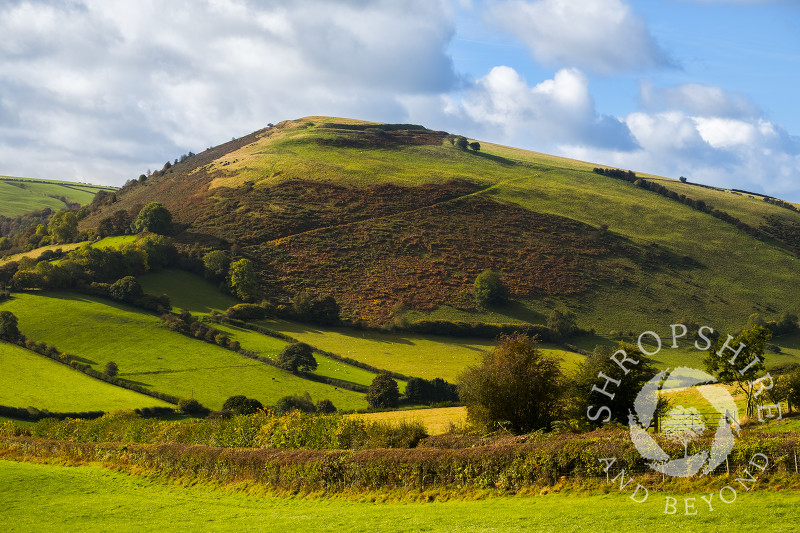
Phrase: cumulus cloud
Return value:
(698, 99)
(112, 82)
(505, 107)
(600, 36)
(718, 145)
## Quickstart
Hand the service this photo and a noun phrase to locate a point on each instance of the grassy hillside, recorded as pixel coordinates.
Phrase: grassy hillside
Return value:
(394, 219)
(31, 380)
(99, 331)
(22, 195)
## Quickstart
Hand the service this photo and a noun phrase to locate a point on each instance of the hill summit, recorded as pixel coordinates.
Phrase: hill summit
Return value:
(396, 220)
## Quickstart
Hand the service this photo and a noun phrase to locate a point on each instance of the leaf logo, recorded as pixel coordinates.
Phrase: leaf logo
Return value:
(645, 409)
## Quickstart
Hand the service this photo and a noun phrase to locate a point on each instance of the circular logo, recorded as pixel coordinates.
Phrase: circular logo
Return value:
(682, 424)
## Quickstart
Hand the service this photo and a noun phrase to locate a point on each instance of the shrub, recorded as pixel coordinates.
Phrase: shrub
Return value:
(489, 289)
(246, 312)
(325, 407)
(111, 369)
(242, 405)
(191, 406)
(294, 402)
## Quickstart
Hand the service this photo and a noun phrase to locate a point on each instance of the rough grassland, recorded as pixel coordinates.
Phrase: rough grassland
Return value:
(31, 380)
(56, 498)
(147, 353)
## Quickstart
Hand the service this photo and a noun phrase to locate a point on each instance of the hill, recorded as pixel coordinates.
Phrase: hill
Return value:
(23, 195)
(397, 220)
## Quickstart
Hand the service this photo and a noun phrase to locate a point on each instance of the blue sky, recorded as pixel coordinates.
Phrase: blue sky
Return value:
(103, 90)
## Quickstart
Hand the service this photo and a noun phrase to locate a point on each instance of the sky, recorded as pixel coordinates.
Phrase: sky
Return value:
(101, 91)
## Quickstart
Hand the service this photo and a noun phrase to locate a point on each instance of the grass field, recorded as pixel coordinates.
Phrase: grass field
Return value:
(22, 195)
(99, 331)
(187, 291)
(31, 380)
(40, 497)
(267, 346)
(436, 420)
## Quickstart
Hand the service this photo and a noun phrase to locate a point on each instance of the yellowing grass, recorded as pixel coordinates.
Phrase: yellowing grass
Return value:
(436, 421)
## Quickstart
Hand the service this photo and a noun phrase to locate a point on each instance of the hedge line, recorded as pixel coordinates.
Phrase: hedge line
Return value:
(33, 414)
(509, 467)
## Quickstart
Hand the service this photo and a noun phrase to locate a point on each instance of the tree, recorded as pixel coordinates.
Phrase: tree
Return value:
(126, 289)
(8, 327)
(153, 217)
(383, 392)
(297, 356)
(325, 310)
(683, 180)
(587, 403)
(475, 146)
(111, 369)
(63, 226)
(418, 390)
(216, 263)
(242, 405)
(516, 386)
(242, 279)
(462, 142)
(739, 360)
(561, 325)
(490, 289)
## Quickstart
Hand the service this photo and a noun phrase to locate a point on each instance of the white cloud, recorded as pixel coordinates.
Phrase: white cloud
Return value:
(504, 107)
(111, 83)
(747, 153)
(698, 99)
(601, 36)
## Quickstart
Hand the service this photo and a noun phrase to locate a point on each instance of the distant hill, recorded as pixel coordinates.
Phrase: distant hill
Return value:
(398, 220)
(23, 195)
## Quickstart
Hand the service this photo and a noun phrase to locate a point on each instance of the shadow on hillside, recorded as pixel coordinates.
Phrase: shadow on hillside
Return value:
(496, 158)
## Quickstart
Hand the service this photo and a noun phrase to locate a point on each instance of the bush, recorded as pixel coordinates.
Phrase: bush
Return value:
(111, 369)
(246, 312)
(295, 402)
(325, 407)
(242, 405)
(191, 406)
(489, 289)
(383, 392)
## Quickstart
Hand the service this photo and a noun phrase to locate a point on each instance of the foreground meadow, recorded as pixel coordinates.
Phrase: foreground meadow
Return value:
(56, 498)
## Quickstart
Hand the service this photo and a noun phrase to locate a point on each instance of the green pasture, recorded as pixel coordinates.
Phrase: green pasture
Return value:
(19, 196)
(267, 346)
(32, 380)
(115, 241)
(98, 331)
(38, 497)
(187, 291)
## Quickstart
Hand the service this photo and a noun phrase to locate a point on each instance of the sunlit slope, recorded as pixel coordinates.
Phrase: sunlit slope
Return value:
(22, 195)
(146, 353)
(32, 380)
(384, 216)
